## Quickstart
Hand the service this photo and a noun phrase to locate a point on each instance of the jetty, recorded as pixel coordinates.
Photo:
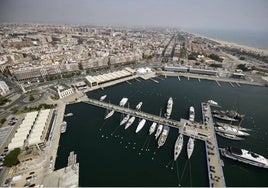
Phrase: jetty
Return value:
(201, 132)
(214, 162)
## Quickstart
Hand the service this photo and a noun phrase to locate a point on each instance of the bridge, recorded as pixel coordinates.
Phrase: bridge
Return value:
(203, 132)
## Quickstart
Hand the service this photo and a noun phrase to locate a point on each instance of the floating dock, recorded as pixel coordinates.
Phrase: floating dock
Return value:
(231, 84)
(218, 83)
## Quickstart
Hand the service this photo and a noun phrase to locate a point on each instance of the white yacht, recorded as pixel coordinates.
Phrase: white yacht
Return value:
(125, 119)
(230, 130)
(103, 97)
(68, 115)
(245, 156)
(130, 122)
(163, 137)
(140, 125)
(190, 147)
(191, 114)
(152, 128)
(63, 127)
(138, 107)
(158, 131)
(169, 108)
(213, 103)
(123, 101)
(178, 146)
(109, 114)
(233, 126)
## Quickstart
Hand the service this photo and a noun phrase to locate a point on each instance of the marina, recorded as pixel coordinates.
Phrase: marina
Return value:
(207, 135)
(197, 144)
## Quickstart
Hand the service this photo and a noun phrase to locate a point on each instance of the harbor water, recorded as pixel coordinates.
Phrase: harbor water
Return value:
(109, 155)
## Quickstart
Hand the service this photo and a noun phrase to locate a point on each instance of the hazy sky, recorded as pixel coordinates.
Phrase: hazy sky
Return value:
(217, 14)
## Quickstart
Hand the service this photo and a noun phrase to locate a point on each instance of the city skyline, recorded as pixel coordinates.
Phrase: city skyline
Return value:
(228, 15)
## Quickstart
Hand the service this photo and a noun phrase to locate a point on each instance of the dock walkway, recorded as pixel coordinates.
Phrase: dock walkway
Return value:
(196, 131)
(215, 171)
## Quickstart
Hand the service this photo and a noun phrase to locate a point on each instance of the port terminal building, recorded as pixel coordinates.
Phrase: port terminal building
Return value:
(193, 70)
(108, 77)
(32, 130)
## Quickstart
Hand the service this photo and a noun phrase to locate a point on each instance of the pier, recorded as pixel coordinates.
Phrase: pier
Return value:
(218, 83)
(214, 163)
(231, 84)
(190, 129)
(199, 131)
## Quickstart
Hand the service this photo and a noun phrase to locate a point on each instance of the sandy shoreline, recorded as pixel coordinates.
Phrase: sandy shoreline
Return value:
(235, 45)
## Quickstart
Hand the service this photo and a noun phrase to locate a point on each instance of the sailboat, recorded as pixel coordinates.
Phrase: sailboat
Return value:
(178, 146)
(190, 147)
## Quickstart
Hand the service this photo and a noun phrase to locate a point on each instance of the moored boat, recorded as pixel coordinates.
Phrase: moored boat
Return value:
(130, 122)
(140, 125)
(152, 128)
(229, 115)
(245, 156)
(233, 126)
(229, 136)
(230, 130)
(163, 137)
(125, 119)
(123, 101)
(169, 108)
(191, 114)
(68, 115)
(190, 147)
(178, 146)
(213, 103)
(103, 97)
(63, 127)
(109, 114)
(224, 117)
(158, 131)
(138, 107)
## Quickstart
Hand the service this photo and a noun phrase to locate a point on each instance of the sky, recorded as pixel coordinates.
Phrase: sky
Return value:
(200, 14)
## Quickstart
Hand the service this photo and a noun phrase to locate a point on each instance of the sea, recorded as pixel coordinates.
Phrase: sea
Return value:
(109, 155)
(257, 39)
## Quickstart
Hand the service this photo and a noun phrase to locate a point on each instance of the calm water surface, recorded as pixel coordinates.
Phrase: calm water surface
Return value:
(111, 156)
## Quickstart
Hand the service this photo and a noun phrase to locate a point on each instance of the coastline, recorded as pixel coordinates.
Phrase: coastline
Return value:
(232, 44)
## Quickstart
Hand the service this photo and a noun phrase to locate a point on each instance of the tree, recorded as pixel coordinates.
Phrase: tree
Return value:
(243, 67)
(215, 57)
(216, 65)
(3, 100)
(242, 58)
(31, 98)
(2, 121)
(11, 158)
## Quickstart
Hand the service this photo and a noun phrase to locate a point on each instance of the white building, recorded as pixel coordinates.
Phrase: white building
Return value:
(32, 130)
(4, 89)
(64, 91)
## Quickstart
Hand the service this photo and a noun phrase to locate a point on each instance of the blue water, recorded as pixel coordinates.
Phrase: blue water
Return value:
(258, 39)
